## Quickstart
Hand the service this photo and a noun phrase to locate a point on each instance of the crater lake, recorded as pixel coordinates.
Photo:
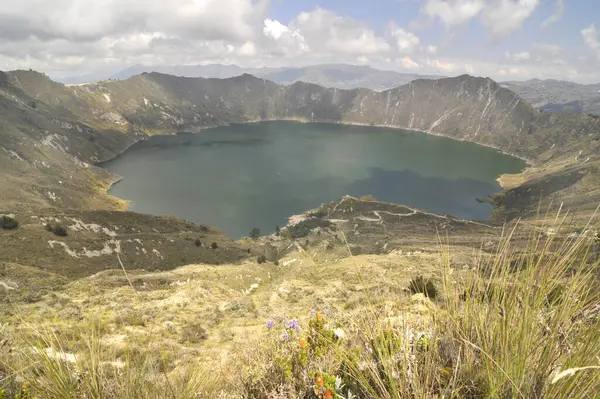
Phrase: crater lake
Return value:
(258, 175)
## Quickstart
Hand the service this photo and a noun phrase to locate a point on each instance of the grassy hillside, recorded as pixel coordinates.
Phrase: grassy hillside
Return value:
(448, 322)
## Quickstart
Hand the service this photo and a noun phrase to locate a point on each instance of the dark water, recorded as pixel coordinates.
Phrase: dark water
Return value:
(257, 175)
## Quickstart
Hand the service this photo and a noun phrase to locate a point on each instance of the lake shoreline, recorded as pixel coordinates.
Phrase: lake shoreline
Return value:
(390, 132)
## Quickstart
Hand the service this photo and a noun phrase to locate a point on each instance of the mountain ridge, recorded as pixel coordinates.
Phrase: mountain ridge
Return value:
(95, 122)
(338, 75)
(551, 95)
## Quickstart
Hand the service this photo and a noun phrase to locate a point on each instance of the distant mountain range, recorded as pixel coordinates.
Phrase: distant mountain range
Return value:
(558, 96)
(339, 76)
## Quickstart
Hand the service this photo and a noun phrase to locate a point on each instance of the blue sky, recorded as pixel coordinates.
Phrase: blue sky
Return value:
(502, 39)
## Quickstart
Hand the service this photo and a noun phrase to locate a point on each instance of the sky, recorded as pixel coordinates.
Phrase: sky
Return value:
(501, 39)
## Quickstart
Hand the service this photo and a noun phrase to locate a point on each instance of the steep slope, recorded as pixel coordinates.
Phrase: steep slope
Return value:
(46, 151)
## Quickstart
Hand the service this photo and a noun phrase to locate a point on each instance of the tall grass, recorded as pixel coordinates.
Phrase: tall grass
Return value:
(51, 371)
(523, 323)
(506, 330)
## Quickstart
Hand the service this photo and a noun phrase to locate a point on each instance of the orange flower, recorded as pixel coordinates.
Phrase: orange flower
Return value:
(319, 316)
(25, 385)
(319, 381)
(328, 394)
(302, 343)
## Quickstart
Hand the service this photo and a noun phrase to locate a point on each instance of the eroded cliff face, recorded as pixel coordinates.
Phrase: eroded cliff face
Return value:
(71, 127)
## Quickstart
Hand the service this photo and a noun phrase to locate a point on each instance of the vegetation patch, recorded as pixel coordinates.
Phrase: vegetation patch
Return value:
(421, 285)
(8, 223)
(58, 229)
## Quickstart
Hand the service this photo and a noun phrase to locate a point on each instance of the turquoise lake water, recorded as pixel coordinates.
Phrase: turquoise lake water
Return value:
(257, 175)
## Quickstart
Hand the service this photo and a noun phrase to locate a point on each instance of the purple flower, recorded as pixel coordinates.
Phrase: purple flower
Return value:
(292, 324)
(285, 336)
(270, 324)
(313, 312)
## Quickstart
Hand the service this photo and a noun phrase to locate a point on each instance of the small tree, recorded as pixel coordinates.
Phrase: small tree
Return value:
(255, 233)
(214, 245)
(261, 259)
(198, 243)
(8, 223)
(277, 231)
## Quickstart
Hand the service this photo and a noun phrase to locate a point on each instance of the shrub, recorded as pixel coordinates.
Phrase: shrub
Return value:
(198, 243)
(8, 223)
(193, 334)
(58, 229)
(419, 285)
(261, 259)
(255, 233)
(214, 245)
(276, 263)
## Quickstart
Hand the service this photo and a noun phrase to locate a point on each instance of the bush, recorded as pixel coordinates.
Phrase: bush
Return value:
(198, 243)
(58, 229)
(8, 223)
(276, 263)
(193, 334)
(261, 259)
(214, 245)
(255, 233)
(419, 285)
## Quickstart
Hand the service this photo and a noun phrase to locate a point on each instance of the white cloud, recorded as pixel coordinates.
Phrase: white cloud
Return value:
(82, 20)
(274, 29)
(504, 17)
(407, 62)
(522, 56)
(590, 37)
(441, 66)
(283, 40)
(500, 17)
(406, 42)
(453, 12)
(556, 16)
(431, 49)
(547, 48)
(325, 30)
(248, 49)
(82, 35)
